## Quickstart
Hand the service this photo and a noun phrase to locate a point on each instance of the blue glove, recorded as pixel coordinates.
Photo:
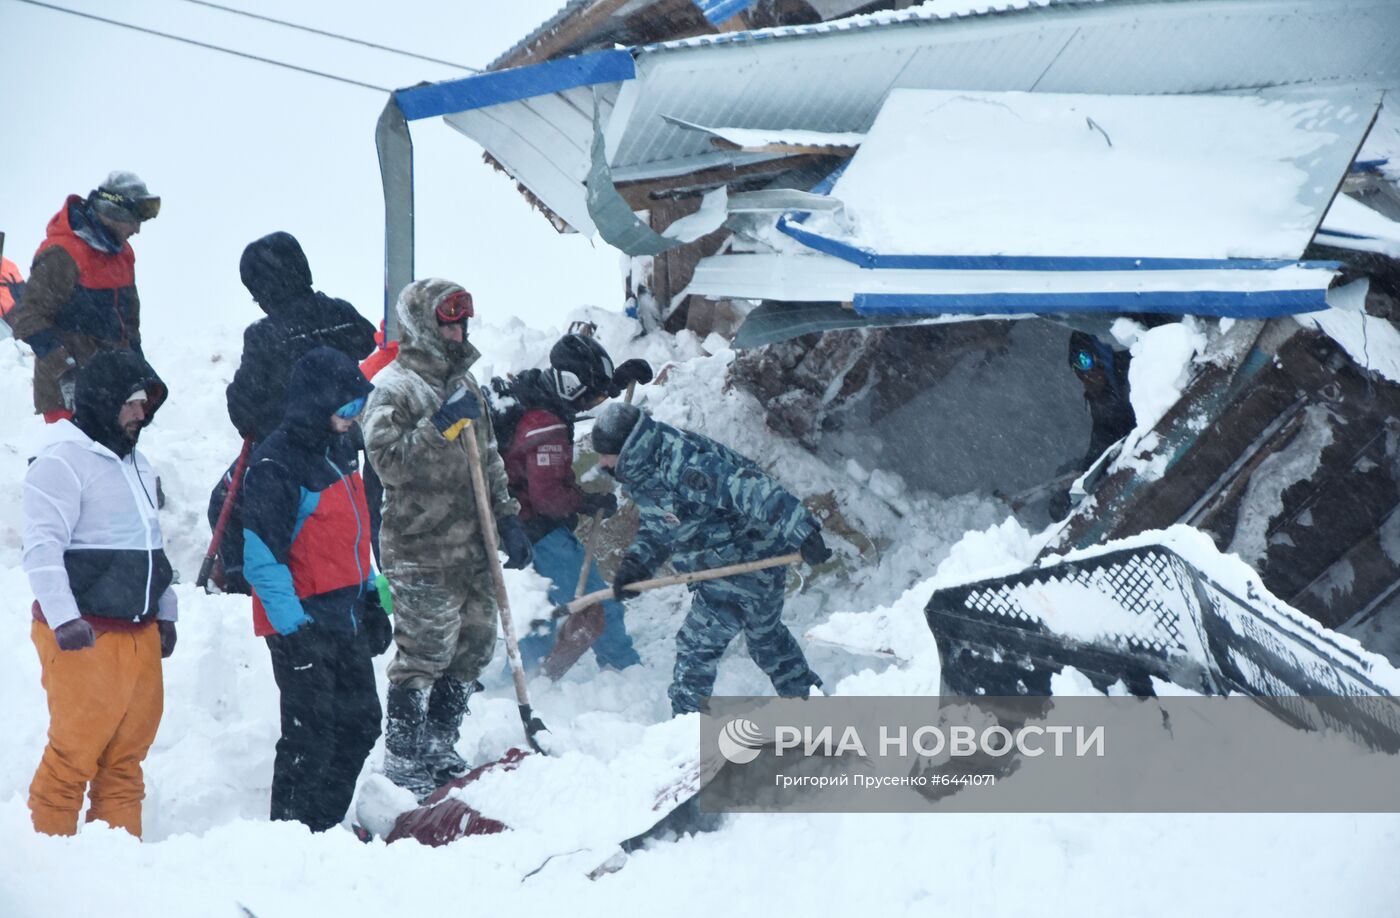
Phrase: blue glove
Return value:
(515, 542)
(452, 417)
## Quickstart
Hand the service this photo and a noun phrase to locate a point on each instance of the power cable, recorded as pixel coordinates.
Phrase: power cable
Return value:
(207, 46)
(357, 41)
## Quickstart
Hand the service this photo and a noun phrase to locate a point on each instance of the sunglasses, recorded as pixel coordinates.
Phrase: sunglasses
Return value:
(351, 410)
(1083, 361)
(456, 307)
(143, 208)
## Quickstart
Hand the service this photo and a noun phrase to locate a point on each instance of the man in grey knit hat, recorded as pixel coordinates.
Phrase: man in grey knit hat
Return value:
(81, 297)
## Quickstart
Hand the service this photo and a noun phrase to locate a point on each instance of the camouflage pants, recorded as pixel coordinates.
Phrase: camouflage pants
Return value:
(720, 609)
(444, 623)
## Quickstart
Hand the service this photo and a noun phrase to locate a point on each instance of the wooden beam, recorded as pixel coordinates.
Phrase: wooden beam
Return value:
(567, 34)
(792, 149)
(640, 194)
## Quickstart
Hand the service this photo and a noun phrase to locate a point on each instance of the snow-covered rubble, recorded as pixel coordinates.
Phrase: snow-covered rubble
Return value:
(209, 848)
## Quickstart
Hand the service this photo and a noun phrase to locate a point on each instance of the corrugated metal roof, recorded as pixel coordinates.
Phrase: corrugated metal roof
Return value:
(833, 77)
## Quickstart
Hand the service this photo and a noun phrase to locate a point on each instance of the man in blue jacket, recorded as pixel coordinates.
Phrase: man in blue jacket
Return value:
(307, 557)
(703, 506)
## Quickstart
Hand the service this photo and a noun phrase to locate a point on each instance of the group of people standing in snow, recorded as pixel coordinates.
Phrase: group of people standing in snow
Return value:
(315, 389)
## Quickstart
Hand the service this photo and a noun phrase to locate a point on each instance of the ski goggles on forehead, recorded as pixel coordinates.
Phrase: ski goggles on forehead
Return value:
(456, 307)
(351, 409)
(1083, 361)
(142, 208)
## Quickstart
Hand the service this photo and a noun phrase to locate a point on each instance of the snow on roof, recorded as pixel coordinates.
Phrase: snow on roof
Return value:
(1046, 174)
(1349, 224)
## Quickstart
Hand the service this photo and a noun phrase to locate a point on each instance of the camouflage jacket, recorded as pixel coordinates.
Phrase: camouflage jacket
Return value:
(430, 515)
(702, 504)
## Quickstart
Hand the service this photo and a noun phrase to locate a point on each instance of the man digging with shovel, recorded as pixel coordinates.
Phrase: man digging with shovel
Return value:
(705, 506)
(424, 428)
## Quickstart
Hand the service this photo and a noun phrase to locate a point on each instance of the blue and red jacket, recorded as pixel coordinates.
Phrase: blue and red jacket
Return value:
(306, 526)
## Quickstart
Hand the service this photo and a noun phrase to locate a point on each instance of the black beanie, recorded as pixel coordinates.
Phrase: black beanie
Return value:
(611, 429)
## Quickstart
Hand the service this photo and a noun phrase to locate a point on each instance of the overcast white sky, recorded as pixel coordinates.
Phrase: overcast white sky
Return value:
(238, 149)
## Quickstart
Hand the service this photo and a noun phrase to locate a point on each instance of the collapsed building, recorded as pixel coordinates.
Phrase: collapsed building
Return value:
(900, 215)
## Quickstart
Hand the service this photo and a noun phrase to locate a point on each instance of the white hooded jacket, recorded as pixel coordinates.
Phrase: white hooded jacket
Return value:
(92, 539)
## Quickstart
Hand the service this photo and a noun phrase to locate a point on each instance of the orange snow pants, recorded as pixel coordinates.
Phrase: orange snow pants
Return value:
(105, 703)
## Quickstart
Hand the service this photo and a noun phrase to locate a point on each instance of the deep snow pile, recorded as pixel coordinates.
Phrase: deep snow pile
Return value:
(210, 848)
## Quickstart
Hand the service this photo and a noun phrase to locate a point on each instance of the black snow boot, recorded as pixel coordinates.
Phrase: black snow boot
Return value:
(407, 710)
(447, 703)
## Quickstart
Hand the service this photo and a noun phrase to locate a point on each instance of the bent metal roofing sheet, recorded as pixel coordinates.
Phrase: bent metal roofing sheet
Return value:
(833, 77)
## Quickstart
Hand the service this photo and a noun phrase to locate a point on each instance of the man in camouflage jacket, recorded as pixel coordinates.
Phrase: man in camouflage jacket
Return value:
(702, 506)
(423, 407)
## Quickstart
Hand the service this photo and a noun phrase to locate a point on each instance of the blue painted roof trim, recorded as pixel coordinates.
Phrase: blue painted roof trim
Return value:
(717, 11)
(1363, 166)
(865, 258)
(1242, 304)
(499, 86)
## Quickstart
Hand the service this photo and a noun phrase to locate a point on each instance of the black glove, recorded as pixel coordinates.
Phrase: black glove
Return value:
(814, 550)
(604, 503)
(378, 628)
(629, 571)
(515, 542)
(461, 408)
(167, 638)
(231, 580)
(632, 371)
(74, 635)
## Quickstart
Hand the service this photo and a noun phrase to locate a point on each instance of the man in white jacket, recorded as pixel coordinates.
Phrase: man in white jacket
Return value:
(104, 612)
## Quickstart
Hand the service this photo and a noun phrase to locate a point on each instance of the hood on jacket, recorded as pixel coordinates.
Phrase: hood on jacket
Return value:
(322, 381)
(104, 384)
(275, 269)
(75, 218)
(420, 343)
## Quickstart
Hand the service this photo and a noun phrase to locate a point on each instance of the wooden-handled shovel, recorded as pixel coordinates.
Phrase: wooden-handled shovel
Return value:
(532, 724)
(655, 583)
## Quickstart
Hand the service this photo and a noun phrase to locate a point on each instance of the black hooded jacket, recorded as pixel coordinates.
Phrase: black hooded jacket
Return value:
(299, 319)
(103, 387)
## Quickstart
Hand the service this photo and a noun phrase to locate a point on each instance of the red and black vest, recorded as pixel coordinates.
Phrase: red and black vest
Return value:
(104, 304)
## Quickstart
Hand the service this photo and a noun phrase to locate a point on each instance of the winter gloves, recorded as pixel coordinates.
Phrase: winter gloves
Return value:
(604, 503)
(78, 635)
(629, 571)
(515, 542)
(452, 417)
(813, 549)
(378, 629)
(74, 635)
(635, 371)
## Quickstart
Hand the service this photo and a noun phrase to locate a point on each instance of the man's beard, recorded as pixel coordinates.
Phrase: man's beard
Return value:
(132, 432)
(456, 351)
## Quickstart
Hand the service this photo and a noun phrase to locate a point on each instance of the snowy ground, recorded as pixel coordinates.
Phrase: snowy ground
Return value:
(210, 849)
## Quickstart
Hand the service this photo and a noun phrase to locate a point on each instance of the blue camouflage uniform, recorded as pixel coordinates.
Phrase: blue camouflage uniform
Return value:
(703, 506)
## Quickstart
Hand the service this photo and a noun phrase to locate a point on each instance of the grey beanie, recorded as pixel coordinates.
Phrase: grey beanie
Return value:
(124, 198)
(611, 429)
